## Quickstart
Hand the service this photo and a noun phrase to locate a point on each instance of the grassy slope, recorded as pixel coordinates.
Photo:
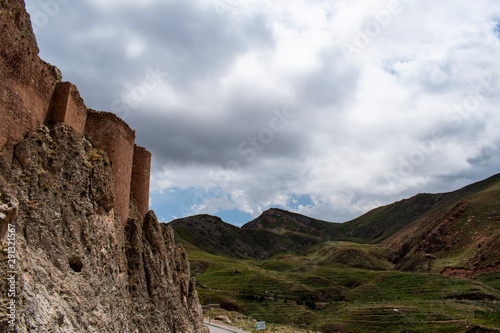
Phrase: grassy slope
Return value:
(428, 232)
(462, 238)
(353, 287)
(211, 234)
(316, 291)
(381, 223)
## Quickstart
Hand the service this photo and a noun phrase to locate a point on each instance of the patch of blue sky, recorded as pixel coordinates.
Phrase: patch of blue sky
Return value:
(296, 201)
(178, 203)
(172, 203)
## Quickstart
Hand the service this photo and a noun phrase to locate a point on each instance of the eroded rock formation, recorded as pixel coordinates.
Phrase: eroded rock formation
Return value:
(78, 250)
(78, 268)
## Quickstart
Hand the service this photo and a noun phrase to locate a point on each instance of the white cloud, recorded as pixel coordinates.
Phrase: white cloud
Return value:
(135, 47)
(112, 5)
(413, 110)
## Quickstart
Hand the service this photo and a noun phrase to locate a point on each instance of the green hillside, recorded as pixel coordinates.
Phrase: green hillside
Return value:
(322, 291)
(435, 258)
(282, 221)
(212, 235)
(461, 239)
(381, 223)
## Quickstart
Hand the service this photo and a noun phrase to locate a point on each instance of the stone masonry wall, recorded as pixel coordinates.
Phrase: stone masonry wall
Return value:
(68, 107)
(15, 10)
(26, 83)
(140, 178)
(31, 93)
(111, 134)
(77, 261)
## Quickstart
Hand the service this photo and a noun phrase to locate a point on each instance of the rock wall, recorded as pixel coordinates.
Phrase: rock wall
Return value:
(78, 270)
(76, 254)
(26, 82)
(68, 107)
(111, 134)
(31, 93)
(141, 169)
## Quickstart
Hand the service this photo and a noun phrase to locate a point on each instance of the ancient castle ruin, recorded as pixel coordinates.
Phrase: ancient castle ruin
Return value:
(89, 256)
(32, 94)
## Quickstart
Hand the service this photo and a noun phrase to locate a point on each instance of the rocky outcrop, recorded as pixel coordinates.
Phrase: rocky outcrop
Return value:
(77, 268)
(75, 253)
(159, 272)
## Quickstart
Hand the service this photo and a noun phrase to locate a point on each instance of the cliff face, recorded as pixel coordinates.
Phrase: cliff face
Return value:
(76, 253)
(79, 269)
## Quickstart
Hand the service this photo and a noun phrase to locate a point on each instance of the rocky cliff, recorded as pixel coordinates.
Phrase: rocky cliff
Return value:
(73, 267)
(69, 262)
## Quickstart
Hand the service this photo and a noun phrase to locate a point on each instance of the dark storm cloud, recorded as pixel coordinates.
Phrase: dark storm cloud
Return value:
(191, 43)
(217, 141)
(187, 42)
(413, 110)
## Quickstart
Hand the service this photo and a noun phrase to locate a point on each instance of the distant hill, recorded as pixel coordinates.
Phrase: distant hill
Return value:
(461, 236)
(372, 227)
(282, 222)
(381, 223)
(211, 234)
(371, 274)
(451, 233)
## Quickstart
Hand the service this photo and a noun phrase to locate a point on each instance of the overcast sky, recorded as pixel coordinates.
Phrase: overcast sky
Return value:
(326, 108)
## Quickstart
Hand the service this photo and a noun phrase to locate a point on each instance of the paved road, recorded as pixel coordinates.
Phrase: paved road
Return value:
(220, 329)
(214, 329)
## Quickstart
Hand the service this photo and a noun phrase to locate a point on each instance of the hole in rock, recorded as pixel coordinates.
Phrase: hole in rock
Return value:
(75, 264)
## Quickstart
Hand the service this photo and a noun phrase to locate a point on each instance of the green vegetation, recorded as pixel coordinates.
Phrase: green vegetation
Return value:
(314, 292)
(429, 263)
(98, 155)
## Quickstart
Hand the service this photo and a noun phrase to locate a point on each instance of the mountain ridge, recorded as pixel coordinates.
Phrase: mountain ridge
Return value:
(410, 228)
(211, 234)
(284, 220)
(439, 266)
